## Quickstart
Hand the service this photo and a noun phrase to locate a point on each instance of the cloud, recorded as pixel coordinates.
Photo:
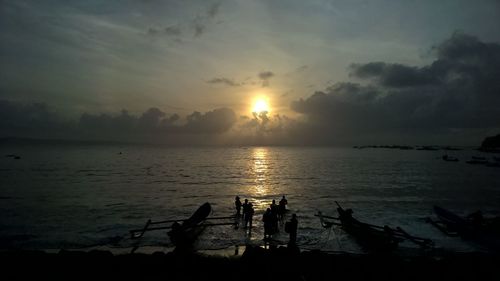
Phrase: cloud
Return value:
(29, 120)
(224, 81)
(154, 121)
(453, 99)
(393, 75)
(213, 122)
(264, 129)
(200, 23)
(153, 126)
(265, 76)
(458, 91)
(213, 10)
(173, 30)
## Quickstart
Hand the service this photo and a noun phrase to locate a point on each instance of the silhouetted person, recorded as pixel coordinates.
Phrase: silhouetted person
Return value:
(237, 204)
(249, 216)
(282, 208)
(274, 216)
(268, 223)
(292, 229)
(245, 211)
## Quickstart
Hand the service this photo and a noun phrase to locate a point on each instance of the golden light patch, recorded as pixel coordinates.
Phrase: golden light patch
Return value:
(260, 105)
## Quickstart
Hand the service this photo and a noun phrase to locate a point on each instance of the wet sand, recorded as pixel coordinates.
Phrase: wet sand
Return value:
(254, 263)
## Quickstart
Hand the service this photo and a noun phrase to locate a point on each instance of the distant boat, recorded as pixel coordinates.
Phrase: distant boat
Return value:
(450, 158)
(429, 148)
(493, 164)
(478, 158)
(186, 233)
(477, 161)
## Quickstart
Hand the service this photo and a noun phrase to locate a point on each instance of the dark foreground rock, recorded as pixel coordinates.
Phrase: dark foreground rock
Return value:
(254, 264)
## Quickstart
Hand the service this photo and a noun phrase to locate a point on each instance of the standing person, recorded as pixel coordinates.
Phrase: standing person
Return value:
(267, 219)
(249, 216)
(237, 204)
(282, 208)
(274, 217)
(245, 212)
(291, 227)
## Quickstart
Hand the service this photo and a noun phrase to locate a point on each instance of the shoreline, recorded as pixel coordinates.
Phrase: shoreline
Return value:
(283, 263)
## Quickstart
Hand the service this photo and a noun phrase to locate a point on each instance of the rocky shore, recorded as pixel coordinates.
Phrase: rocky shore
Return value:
(254, 264)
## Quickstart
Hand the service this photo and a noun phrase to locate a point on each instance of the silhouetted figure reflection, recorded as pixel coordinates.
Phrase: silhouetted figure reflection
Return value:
(237, 204)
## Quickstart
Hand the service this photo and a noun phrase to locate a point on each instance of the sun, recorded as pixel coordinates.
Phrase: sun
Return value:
(260, 105)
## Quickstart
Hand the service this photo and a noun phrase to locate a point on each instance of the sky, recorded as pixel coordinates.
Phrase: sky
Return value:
(331, 72)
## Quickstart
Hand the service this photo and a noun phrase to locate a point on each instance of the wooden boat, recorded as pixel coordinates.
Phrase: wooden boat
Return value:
(484, 231)
(454, 222)
(185, 233)
(379, 239)
(449, 158)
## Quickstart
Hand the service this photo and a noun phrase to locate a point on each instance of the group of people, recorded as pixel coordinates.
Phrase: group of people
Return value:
(271, 218)
(248, 211)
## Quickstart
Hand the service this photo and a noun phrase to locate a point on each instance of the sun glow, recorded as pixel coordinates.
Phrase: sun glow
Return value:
(260, 105)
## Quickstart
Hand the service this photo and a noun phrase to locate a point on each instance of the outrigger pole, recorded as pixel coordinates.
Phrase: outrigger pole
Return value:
(396, 232)
(138, 233)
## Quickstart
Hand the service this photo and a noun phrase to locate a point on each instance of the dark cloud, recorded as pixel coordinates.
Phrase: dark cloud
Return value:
(302, 68)
(154, 125)
(173, 30)
(458, 92)
(199, 27)
(213, 122)
(29, 120)
(154, 121)
(170, 31)
(213, 10)
(224, 81)
(265, 76)
(153, 31)
(264, 129)
(200, 23)
(393, 75)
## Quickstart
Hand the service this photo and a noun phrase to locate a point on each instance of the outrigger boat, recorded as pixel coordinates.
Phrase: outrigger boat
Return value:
(187, 232)
(474, 227)
(372, 237)
(183, 232)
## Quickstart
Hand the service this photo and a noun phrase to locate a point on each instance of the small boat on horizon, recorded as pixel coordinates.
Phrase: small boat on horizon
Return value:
(448, 158)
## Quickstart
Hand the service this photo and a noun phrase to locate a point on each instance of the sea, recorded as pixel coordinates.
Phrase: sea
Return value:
(89, 196)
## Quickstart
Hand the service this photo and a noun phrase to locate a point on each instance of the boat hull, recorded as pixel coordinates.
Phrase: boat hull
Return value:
(186, 233)
(369, 238)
